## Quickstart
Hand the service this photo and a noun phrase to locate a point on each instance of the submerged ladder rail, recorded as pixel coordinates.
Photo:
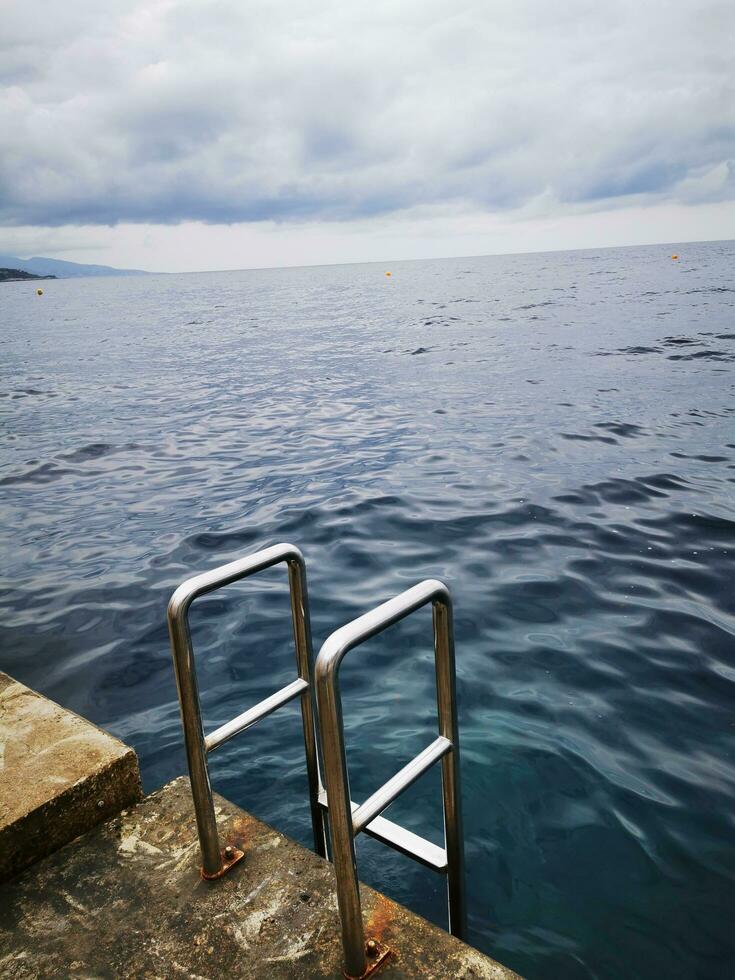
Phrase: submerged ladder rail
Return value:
(214, 860)
(346, 818)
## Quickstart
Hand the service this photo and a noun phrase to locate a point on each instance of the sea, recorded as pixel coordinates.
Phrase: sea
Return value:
(552, 435)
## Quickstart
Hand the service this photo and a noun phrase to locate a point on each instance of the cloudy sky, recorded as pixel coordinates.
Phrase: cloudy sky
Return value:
(194, 134)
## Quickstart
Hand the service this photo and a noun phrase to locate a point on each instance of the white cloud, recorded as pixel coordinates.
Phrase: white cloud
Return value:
(221, 111)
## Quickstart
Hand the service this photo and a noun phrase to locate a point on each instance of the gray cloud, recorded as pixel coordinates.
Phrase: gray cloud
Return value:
(226, 111)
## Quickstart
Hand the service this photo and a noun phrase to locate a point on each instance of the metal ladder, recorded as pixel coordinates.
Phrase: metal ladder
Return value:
(215, 861)
(347, 819)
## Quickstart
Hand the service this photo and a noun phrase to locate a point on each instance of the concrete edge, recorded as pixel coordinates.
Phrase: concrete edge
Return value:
(92, 800)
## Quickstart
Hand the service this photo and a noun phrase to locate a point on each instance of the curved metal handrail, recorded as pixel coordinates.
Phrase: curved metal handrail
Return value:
(214, 860)
(346, 819)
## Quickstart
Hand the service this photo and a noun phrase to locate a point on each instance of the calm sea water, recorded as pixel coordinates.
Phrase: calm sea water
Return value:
(553, 435)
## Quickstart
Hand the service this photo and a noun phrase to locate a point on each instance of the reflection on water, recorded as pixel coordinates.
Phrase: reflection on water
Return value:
(553, 435)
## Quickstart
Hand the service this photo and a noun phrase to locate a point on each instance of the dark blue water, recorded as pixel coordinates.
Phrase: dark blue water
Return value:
(553, 435)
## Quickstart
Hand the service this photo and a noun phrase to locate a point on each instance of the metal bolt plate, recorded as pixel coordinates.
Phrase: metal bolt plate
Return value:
(230, 856)
(377, 955)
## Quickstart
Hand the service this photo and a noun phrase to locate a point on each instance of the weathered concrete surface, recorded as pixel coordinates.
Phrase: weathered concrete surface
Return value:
(127, 901)
(59, 776)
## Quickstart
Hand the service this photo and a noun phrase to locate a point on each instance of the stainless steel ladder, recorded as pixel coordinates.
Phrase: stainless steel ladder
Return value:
(215, 861)
(347, 819)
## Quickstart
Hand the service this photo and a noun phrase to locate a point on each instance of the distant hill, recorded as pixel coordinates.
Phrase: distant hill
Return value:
(64, 270)
(19, 275)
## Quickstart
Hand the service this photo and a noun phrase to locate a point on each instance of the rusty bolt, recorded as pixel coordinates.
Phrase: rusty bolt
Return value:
(371, 948)
(229, 852)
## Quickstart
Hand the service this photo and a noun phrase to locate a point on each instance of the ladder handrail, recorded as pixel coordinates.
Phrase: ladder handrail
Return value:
(214, 861)
(346, 820)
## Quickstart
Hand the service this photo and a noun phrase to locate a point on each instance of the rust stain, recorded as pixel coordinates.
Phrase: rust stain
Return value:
(243, 827)
(242, 821)
(381, 919)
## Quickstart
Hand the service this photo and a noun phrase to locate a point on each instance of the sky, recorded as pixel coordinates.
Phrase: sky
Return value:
(179, 135)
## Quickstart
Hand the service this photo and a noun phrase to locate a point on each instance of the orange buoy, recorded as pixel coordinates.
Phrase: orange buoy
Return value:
(39, 291)
(389, 273)
(674, 256)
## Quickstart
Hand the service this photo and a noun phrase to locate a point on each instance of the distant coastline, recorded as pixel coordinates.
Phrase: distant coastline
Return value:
(19, 275)
(61, 269)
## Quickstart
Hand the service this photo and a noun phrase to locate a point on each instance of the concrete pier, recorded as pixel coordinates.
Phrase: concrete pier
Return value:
(125, 899)
(59, 776)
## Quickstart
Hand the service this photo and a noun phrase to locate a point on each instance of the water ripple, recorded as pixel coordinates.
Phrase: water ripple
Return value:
(565, 464)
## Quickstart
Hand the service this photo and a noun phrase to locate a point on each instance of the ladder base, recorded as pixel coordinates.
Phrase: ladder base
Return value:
(230, 857)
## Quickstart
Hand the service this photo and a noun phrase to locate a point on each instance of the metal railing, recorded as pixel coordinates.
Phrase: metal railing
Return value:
(215, 861)
(347, 819)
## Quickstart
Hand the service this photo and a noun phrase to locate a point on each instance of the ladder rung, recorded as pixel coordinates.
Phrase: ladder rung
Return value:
(248, 718)
(404, 778)
(402, 840)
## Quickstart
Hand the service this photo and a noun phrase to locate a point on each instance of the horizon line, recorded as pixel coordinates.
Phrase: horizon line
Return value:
(438, 258)
(443, 258)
